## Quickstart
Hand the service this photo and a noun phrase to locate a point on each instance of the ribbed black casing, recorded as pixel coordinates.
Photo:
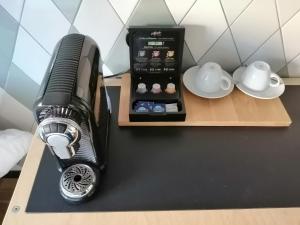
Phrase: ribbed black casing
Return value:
(62, 82)
(71, 77)
(68, 90)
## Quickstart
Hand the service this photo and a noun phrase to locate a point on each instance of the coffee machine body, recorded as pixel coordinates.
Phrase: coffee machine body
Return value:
(71, 121)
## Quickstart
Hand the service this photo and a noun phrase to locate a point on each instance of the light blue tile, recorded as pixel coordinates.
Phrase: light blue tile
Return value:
(73, 30)
(68, 8)
(44, 22)
(118, 58)
(4, 66)
(30, 57)
(8, 34)
(21, 87)
(151, 12)
(14, 7)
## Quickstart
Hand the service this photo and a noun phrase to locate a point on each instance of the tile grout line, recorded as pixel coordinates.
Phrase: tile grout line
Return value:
(282, 26)
(124, 27)
(180, 22)
(246, 7)
(76, 13)
(11, 62)
(111, 5)
(35, 40)
(293, 58)
(261, 45)
(281, 37)
(231, 33)
(188, 47)
(229, 27)
(282, 68)
(268, 37)
(20, 25)
(134, 8)
(15, 43)
(212, 45)
(63, 16)
(54, 3)
(115, 42)
(187, 12)
(288, 62)
(291, 17)
(169, 12)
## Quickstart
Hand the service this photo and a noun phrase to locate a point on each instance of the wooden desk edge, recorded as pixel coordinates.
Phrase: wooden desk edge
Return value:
(16, 211)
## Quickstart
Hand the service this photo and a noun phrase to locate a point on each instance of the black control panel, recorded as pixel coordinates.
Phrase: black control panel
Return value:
(155, 61)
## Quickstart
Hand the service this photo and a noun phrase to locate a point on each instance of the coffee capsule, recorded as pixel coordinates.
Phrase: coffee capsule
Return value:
(156, 88)
(170, 88)
(141, 88)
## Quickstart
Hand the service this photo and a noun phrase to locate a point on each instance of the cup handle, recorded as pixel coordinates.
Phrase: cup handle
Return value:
(276, 78)
(225, 86)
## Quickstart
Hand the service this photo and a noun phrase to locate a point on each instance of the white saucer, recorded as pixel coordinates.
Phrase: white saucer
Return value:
(269, 93)
(190, 83)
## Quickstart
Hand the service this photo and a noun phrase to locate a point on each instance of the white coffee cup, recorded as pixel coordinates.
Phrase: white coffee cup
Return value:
(211, 78)
(258, 76)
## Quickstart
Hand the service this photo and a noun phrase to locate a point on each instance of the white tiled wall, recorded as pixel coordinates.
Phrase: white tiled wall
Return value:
(223, 52)
(98, 19)
(179, 10)
(204, 24)
(234, 8)
(30, 56)
(291, 36)
(271, 51)
(123, 8)
(44, 22)
(13, 7)
(230, 32)
(287, 9)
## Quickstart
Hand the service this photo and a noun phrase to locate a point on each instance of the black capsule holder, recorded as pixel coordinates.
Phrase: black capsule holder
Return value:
(162, 77)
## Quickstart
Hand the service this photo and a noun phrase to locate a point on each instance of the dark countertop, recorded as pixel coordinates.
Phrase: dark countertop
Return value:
(179, 168)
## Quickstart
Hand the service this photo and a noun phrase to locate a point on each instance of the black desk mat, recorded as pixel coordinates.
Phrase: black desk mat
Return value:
(180, 168)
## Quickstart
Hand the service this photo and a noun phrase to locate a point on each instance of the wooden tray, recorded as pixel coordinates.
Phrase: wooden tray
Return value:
(236, 109)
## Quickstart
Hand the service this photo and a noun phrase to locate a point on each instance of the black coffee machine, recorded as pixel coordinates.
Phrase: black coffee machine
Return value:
(65, 110)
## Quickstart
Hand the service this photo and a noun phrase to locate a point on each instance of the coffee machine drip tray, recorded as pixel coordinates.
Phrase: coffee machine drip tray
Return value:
(77, 182)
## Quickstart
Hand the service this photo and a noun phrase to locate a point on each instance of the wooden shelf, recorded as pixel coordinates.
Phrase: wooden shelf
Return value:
(236, 109)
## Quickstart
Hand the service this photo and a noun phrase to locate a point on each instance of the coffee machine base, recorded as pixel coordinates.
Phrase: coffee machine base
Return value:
(67, 123)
